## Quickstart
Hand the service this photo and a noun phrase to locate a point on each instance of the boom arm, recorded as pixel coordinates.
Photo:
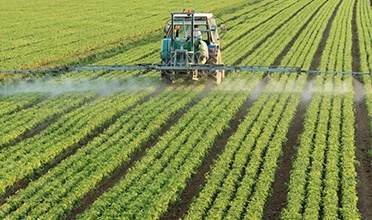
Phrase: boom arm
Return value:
(158, 67)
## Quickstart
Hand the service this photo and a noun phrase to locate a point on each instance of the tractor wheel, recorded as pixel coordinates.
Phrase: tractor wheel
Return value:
(220, 74)
(165, 78)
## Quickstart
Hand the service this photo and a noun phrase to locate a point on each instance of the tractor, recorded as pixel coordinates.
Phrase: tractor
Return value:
(191, 40)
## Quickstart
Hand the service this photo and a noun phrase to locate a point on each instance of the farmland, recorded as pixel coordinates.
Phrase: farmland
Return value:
(122, 145)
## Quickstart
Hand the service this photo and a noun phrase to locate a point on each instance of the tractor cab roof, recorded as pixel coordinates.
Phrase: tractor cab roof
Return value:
(183, 18)
(196, 15)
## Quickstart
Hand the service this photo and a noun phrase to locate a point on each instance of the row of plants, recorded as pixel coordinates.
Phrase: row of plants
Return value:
(62, 187)
(14, 126)
(251, 206)
(15, 102)
(301, 54)
(226, 176)
(298, 176)
(253, 190)
(161, 175)
(259, 14)
(349, 179)
(323, 179)
(275, 44)
(91, 27)
(242, 12)
(263, 31)
(32, 155)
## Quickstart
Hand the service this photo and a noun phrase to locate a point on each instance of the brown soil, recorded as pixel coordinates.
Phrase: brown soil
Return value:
(118, 174)
(355, 47)
(363, 144)
(362, 133)
(277, 200)
(176, 211)
(22, 184)
(238, 61)
(319, 52)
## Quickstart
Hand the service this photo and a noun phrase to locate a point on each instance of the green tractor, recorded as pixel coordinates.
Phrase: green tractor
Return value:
(191, 40)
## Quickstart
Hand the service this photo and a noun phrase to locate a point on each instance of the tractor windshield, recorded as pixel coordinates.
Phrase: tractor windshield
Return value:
(185, 32)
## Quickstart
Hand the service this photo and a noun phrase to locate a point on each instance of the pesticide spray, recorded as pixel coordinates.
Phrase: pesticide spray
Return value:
(55, 87)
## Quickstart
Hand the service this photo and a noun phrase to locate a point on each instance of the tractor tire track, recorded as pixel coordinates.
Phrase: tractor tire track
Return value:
(355, 46)
(23, 183)
(118, 174)
(177, 210)
(363, 144)
(362, 132)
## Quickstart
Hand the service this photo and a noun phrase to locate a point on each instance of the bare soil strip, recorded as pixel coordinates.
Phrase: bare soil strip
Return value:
(268, 36)
(362, 133)
(355, 47)
(363, 144)
(176, 211)
(318, 53)
(116, 176)
(22, 184)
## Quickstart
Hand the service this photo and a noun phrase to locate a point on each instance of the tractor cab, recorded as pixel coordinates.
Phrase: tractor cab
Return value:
(191, 40)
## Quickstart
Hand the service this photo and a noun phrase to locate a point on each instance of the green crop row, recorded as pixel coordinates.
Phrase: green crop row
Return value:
(255, 208)
(322, 171)
(253, 122)
(228, 186)
(297, 185)
(61, 188)
(17, 124)
(349, 209)
(33, 154)
(222, 190)
(15, 102)
(157, 179)
(315, 173)
(239, 27)
(275, 44)
(81, 27)
(252, 39)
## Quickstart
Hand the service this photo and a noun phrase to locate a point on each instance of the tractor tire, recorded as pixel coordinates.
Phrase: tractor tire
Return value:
(219, 74)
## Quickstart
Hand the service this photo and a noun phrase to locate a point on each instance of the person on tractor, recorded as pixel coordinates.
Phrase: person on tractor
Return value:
(197, 33)
(176, 28)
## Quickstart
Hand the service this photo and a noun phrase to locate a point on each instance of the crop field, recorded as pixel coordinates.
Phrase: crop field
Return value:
(124, 145)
